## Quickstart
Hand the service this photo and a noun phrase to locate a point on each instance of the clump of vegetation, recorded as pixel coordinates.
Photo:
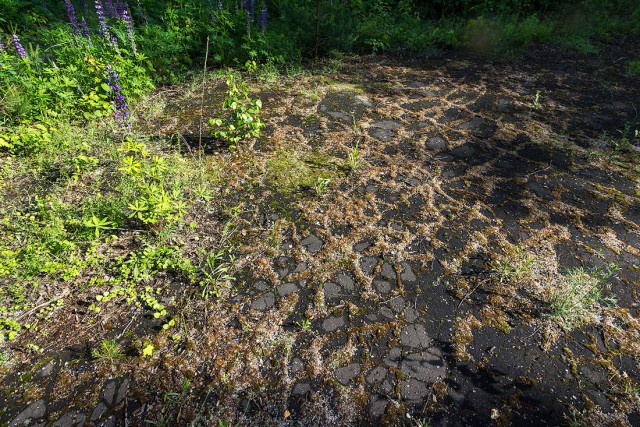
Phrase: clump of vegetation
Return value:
(243, 120)
(294, 169)
(577, 294)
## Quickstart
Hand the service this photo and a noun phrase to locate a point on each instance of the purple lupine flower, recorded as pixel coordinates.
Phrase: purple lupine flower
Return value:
(2, 48)
(111, 11)
(252, 7)
(19, 48)
(263, 19)
(220, 5)
(126, 17)
(141, 13)
(72, 16)
(121, 109)
(85, 31)
(104, 28)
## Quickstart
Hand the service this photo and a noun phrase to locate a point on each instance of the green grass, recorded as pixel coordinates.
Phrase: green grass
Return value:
(577, 295)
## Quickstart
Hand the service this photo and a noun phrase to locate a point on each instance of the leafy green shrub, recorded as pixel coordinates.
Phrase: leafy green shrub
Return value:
(243, 119)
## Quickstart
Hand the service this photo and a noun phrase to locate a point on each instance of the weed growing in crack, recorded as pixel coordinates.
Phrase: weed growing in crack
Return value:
(353, 163)
(536, 101)
(243, 120)
(517, 267)
(216, 270)
(108, 349)
(321, 185)
(577, 293)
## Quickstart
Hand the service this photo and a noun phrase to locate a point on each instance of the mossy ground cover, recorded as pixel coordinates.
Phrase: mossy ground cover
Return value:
(409, 242)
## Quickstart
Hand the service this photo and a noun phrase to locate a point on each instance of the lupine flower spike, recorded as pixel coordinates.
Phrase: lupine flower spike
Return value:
(126, 17)
(219, 4)
(263, 20)
(104, 28)
(72, 16)
(19, 48)
(2, 48)
(85, 31)
(121, 110)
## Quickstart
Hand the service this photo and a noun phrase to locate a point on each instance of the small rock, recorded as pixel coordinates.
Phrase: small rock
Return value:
(386, 124)
(435, 143)
(347, 373)
(70, 419)
(407, 275)
(368, 264)
(410, 314)
(387, 271)
(377, 406)
(98, 412)
(413, 390)
(286, 289)
(297, 365)
(312, 243)
(330, 324)
(345, 280)
(397, 304)
(359, 247)
(427, 366)
(46, 370)
(332, 291)
(109, 392)
(393, 358)
(264, 302)
(261, 285)
(415, 336)
(36, 410)
(382, 286)
(300, 389)
(376, 375)
(122, 392)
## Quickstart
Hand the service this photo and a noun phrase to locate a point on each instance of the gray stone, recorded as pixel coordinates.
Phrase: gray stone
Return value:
(415, 336)
(98, 412)
(36, 410)
(381, 134)
(297, 365)
(413, 391)
(287, 288)
(397, 304)
(377, 406)
(330, 324)
(427, 366)
(435, 143)
(109, 392)
(368, 264)
(300, 389)
(393, 358)
(505, 104)
(359, 247)
(332, 291)
(261, 285)
(343, 279)
(109, 422)
(347, 373)
(312, 243)
(70, 419)
(407, 275)
(387, 124)
(382, 286)
(46, 370)
(387, 313)
(388, 272)
(376, 375)
(410, 314)
(122, 392)
(386, 387)
(344, 107)
(414, 182)
(264, 302)
(301, 266)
